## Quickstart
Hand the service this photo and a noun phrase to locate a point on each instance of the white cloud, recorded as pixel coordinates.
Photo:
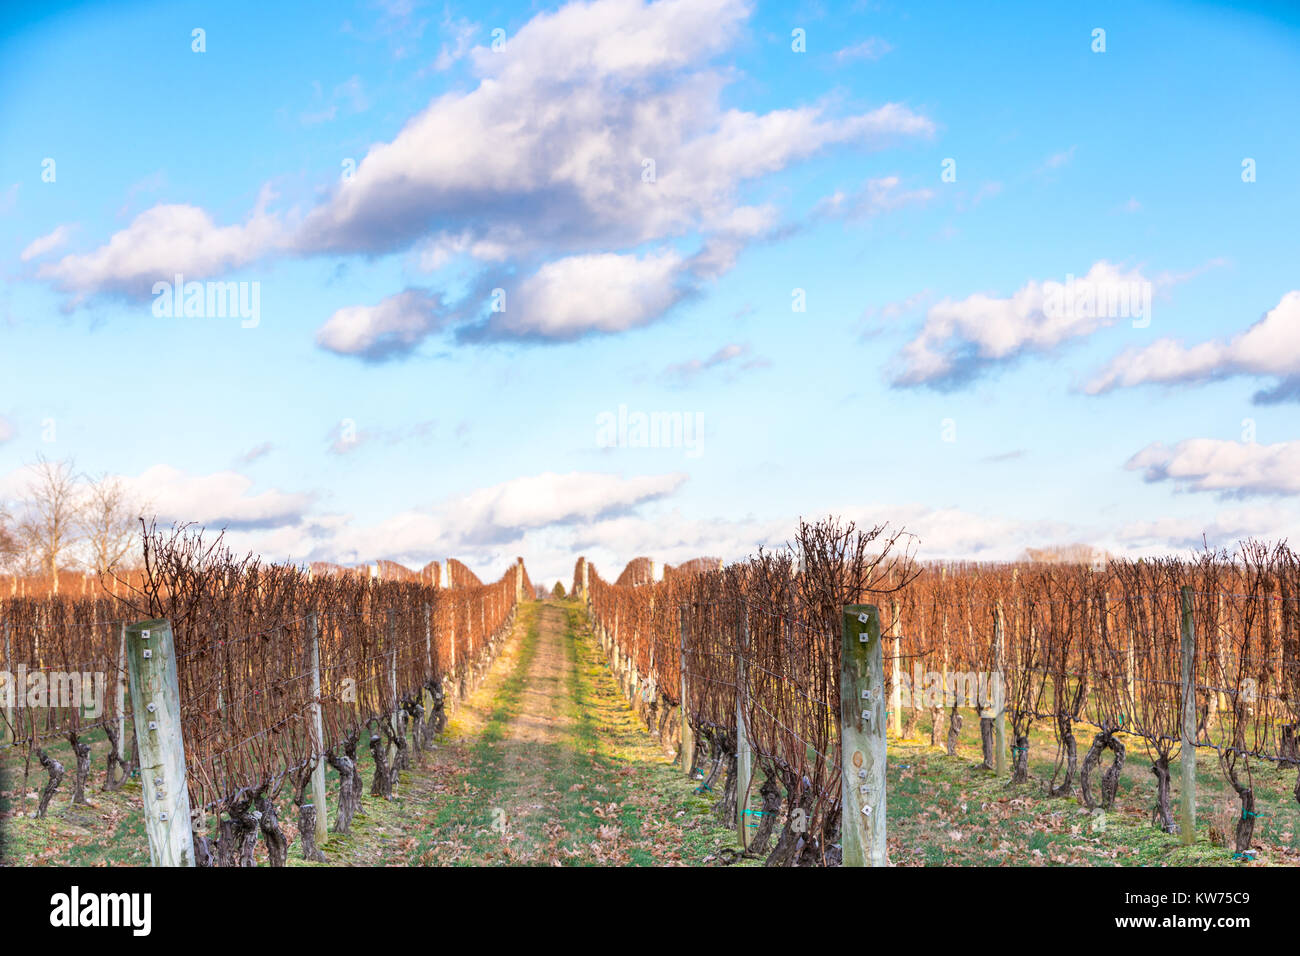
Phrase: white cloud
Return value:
(376, 332)
(489, 524)
(215, 500)
(160, 243)
(602, 292)
(1227, 467)
(549, 498)
(875, 197)
(872, 48)
(734, 356)
(1063, 158)
(541, 169)
(1270, 347)
(1224, 529)
(46, 243)
(547, 154)
(962, 339)
(462, 32)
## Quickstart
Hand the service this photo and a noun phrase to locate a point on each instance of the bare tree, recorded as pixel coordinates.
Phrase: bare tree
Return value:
(108, 520)
(10, 546)
(49, 524)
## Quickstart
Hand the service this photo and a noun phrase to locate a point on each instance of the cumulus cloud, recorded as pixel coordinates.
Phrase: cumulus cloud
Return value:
(221, 499)
(960, 340)
(159, 244)
(550, 498)
(551, 151)
(485, 524)
(595, 138)
(601, 292)
(1232, 469)
(1270, 347)
(393, 327)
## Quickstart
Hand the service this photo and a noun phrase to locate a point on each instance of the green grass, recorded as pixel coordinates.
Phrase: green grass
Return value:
(950, 811)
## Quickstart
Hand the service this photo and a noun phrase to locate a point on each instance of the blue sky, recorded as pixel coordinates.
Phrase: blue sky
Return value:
(378, 169)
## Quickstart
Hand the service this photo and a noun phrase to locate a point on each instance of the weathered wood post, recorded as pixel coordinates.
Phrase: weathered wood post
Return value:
(896, 692)
(11, 690)
(155, 699)
(1000, 688)
(862, 735)
(1189, 721)
(119, 697)
(744, 751)
(688, 739)
(455, 679)
(318, 732)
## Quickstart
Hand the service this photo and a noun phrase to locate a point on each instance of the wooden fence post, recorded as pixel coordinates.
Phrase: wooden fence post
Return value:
(120, 695)
(744, 752)
(155, 699)
(452, 678)
(11, 689)
(1000, 689)
(688, 740)
(862, 735)
(896, 692)
(1189, 721)
(318, 795)
(426, 696)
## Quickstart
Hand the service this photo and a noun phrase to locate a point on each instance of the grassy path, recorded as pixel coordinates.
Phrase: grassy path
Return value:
(554, 768)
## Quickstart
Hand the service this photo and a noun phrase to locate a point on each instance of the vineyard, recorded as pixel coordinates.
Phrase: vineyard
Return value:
(740, 672)
(280, 671)
(1159, 653)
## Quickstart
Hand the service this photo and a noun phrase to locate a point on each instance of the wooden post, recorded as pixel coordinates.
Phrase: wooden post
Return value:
(120, 695)
(155, 699)
(688, 741)
(1219, 639)
(11, 688)
(318, 730)
(425, 695)
(391, 633)
(1000, 689)
(862, 735)
(744, 752)
(1189, 721)
(896, 692)
(451, 644)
